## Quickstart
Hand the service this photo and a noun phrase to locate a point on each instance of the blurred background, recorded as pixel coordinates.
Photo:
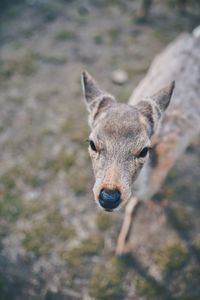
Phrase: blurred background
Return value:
(54, 241)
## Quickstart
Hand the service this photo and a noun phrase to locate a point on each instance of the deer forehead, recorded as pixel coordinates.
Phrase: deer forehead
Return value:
(122, 127)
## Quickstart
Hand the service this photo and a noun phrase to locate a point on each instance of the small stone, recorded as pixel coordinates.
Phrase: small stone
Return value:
(83, 10)
(119, 77)
(196, 32)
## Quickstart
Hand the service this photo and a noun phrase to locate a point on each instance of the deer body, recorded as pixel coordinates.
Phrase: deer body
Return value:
(133, 146)
(181, 122)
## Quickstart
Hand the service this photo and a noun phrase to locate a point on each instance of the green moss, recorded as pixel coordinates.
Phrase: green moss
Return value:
(169, 191)
(35, 240)
(172, 256)
(63, 161)
(180, 218)
(182, 188)
(33, 207)
(162, 36)
(56, 226)
(72, 162)
(192, 279)
(149, 289)
(54, 59)
(106, 3)
(23, 64)
(46, 94)
(41, 237)
(88, 247)
(113, 34)
(196, 244)
(107, 280)
(181, 4)
(18, 44)
(3, 288)
(2, 128)
(81, 20)
(103, 221)
(49, 9)
(123, 95)
(191, 296)
(194, 276)
(67, 232)
(78, 181)
(7, 181)
(92, 245)
(33, 180)
(74, 130)
(65, 34)
(10, 207)
(98, 39)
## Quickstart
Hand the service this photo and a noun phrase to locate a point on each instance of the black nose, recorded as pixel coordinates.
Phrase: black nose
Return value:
(109, 199)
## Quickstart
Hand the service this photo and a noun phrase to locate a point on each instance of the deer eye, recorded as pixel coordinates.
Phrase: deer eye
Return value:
(92, 145)
(144, 152)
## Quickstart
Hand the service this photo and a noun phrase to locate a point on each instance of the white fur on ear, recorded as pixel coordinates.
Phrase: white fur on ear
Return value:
(163, 96)
(83, 83)
(152, 108)
(95, 97)
(90, 87)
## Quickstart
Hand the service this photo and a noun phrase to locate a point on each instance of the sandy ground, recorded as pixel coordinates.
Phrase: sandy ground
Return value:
(54, 241)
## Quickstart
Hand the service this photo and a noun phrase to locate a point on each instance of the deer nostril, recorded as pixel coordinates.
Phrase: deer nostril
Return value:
(109, 199)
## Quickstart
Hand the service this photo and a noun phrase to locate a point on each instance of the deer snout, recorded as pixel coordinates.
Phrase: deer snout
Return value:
(109, 199)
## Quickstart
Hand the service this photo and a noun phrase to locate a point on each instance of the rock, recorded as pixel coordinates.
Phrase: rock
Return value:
(83, 10)
(196, 32)
(119, 77)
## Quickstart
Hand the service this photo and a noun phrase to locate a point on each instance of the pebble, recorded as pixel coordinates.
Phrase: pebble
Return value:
(119, 77)
(196, 32)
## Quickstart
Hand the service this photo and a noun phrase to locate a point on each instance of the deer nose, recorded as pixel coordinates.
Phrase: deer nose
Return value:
(109, 199)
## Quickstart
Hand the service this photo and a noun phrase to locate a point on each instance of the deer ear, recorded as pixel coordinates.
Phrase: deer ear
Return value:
(152, 108)
(162, 97)
(96, 99)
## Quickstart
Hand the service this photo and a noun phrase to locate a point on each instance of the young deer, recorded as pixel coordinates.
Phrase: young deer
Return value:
(133, 146)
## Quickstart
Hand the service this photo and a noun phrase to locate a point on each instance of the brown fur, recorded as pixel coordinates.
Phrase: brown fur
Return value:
(120, 132)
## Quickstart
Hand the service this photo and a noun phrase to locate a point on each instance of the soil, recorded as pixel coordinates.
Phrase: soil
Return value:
(55, 243)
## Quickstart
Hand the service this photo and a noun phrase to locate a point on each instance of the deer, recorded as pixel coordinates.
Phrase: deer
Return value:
(133, 146)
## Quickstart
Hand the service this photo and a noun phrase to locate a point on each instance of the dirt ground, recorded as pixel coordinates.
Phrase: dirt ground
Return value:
(55, 243)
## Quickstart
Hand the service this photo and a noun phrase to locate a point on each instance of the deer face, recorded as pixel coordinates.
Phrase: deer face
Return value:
(119, 141)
